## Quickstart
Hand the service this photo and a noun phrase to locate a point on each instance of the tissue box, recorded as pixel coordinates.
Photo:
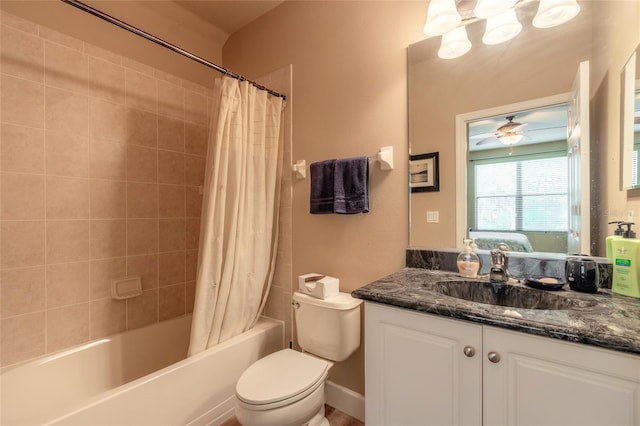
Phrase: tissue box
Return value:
(318, 285)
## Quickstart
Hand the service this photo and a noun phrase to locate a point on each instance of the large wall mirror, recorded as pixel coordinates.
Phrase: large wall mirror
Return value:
(499, 79)
(630, 122)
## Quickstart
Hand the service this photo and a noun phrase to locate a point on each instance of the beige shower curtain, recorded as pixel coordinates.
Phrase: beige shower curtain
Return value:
(240, 205)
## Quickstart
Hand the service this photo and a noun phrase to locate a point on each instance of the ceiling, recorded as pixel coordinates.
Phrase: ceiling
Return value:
(228, 15)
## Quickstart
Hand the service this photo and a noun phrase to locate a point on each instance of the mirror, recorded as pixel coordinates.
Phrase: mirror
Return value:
(537, 63)
(630, 122)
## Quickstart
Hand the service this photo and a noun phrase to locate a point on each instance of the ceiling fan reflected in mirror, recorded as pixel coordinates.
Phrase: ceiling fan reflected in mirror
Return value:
(533, 126)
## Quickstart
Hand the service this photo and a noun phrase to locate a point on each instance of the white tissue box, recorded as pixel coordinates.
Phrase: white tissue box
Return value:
(318, 285)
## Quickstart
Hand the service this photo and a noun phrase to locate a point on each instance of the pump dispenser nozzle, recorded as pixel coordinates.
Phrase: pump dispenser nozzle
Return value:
(618, 230)
(628, 233)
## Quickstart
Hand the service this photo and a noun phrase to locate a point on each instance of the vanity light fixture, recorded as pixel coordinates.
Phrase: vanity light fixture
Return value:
(487, 8)
(502, 27)
(454, 43)
(444, 19)
(552, 13)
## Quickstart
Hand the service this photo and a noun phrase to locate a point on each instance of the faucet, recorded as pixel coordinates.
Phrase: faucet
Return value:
(499, 272)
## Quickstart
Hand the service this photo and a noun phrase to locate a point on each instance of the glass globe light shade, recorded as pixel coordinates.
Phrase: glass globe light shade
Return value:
(487, 8)
(555, 12)
(454, 44)
(501, 28)
(442, 17)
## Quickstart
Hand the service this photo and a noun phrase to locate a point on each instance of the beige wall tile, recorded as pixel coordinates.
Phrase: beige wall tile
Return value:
(22, 196)
(194, 170)
(171, 301)
(171, 134)
(108, 160)
(195, 110)
(108, 317)
(193, 201)
(172, 268)
(142, 236)
(67, 154)
(66, 112)
(108, 238)
(65, 68)
(171, 167)
(68, 241)
(23, 337)
(142, 128)
(22, 243)
(68, 326)
(171, 200)
(141, 68)
(107, 120)
(192, 234)
(22, 102)
(194, 87)
(141, 91)
(22, 149)
(106, 78)
(170, 100)
(147, 267)
(196, 139)
(23, 291)
(100, 53)
(142, 200)
(103, 272)
(170, 78)
(22, 54)
(68, 284)
(191, 265)
(21, 24)
(67, 198)
(142, 310)
(108, 199)
(60, 38)
(190, 296)
(171, 235)
(142, 164)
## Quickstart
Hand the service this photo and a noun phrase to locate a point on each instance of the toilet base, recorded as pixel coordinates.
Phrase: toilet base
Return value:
(319, 419)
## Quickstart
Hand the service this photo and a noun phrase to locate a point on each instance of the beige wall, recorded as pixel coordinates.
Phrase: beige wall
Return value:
(101, 159)
(613, 45)
(349, 98)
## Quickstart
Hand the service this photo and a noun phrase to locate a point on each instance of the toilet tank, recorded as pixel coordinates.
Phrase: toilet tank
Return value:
(328, 328)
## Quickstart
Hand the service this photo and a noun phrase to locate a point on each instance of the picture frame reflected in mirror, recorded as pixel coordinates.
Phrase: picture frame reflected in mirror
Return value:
(424, 174)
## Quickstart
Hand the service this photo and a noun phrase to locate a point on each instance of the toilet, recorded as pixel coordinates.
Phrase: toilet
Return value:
(286, 388)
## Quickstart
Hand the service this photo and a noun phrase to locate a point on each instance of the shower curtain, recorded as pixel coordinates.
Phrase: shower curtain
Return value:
(240, 205)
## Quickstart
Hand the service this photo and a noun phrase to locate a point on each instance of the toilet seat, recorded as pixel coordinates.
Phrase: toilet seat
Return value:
(280, 379)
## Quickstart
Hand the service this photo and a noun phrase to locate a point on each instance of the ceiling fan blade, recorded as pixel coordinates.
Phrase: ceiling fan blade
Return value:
(482, 135)
(485, 141)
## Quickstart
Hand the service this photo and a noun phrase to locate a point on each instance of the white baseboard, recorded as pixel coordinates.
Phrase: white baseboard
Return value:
(345, 400)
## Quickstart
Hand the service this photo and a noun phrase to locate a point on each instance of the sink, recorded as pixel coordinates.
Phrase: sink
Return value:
(508, 295)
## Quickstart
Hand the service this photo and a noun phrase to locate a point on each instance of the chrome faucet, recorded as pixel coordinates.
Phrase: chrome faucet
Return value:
(499, 272)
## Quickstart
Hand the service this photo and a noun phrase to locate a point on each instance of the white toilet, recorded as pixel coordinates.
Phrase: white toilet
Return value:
(286, 388)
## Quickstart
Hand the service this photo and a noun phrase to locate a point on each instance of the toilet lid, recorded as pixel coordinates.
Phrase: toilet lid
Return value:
(280, 376)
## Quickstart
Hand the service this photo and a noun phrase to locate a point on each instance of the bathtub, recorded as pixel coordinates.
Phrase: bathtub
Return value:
(140, 377)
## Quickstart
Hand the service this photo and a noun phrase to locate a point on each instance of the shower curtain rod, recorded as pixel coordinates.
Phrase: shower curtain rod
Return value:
(174, 48)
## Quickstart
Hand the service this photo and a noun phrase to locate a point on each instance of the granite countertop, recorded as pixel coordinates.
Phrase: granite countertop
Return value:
(600, 319)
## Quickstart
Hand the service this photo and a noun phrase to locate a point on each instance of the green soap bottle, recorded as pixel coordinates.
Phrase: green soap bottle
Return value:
(626, 268)
(616, 235)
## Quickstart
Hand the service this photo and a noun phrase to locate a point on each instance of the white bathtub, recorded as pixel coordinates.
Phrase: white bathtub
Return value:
(140, 377)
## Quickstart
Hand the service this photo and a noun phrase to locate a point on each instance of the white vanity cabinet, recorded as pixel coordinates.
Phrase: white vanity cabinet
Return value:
(424, 369)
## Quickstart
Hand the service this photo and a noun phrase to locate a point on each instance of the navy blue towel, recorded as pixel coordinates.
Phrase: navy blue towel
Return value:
(322, 187)
(351, 185)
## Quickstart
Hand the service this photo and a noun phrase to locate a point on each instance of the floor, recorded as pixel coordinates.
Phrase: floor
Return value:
(335, 417)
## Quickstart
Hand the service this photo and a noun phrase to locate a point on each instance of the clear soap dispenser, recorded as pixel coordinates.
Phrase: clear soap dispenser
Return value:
(468, 261)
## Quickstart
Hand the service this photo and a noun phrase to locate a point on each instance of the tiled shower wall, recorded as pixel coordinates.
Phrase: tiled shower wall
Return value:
(101, 162)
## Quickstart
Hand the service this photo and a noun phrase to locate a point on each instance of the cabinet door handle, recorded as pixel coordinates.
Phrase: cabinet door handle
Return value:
(494, 357)
(469, 351)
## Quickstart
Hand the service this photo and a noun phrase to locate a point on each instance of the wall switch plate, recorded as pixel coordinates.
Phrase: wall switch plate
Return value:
(433, 217)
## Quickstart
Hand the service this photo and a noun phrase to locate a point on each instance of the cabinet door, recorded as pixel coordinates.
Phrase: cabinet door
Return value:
(416, 370)
(543, 381)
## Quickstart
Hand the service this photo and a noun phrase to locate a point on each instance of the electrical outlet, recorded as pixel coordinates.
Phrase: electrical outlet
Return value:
(433, 217)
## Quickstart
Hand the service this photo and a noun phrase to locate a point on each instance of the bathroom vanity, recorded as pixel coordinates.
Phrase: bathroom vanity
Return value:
(437, 357)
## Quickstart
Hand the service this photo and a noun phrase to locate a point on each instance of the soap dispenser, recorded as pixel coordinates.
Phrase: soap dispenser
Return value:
(626, 268)
(468, 261)
(616, 235)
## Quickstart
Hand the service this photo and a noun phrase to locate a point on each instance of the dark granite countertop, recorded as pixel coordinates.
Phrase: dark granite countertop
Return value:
(600, 319)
